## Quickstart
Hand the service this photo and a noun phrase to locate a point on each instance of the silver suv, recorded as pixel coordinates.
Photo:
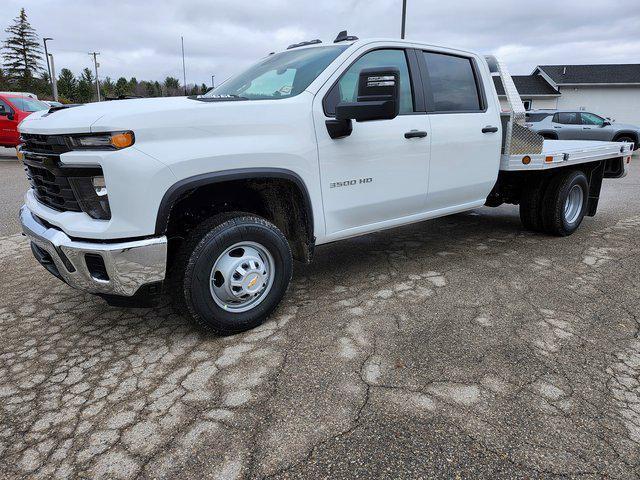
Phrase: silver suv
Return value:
(573, 125)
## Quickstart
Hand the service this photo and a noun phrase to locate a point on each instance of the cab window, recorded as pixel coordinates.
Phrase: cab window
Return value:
(346, 89)
(4, 107)
(452, 83)
(591, 119)
(567, 118)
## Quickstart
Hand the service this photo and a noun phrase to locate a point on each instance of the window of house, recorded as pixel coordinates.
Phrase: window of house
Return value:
(452, 83)
(346, 89)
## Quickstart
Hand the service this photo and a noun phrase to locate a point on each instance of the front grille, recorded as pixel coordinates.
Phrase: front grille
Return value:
(48, 176)
(44, 143)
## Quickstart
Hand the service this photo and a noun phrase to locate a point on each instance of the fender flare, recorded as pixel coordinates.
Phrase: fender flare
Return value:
(627, 133)
(181, 187)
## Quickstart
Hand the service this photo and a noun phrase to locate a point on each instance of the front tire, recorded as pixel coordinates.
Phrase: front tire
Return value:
(233, 272)
(627, 139)
(565, 203)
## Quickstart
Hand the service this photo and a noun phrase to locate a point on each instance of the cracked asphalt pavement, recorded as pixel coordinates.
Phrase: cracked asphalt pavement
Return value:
(463, 347)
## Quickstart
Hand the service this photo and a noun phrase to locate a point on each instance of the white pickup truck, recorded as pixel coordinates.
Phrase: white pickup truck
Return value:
(210, 198)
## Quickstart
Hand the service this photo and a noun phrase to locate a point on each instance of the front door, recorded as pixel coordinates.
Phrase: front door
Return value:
(593, 127)
(376, 174)
(7, 127)
(465, 132)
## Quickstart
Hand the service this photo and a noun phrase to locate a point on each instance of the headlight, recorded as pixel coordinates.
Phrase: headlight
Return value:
(102, 141)
(91, 194)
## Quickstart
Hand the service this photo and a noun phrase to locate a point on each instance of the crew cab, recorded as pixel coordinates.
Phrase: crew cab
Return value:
(15, 107)
(209, 198)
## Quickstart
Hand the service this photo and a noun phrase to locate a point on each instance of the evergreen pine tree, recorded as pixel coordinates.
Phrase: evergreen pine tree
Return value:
(21, 52)
(67, 85)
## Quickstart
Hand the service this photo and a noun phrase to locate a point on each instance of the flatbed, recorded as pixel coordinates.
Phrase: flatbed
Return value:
(562, 153)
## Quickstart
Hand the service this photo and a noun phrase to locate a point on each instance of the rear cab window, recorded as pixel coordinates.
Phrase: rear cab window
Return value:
(452, 84)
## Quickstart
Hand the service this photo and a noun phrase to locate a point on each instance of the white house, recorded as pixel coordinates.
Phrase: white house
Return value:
(610, 90)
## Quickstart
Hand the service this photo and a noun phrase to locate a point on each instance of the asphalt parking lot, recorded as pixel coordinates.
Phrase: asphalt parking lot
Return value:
(463, 347)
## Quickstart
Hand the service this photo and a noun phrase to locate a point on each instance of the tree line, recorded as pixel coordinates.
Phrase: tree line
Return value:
(22, 70)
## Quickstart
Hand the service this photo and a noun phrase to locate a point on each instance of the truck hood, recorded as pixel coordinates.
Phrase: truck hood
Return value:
(174, 116)
(81, 119)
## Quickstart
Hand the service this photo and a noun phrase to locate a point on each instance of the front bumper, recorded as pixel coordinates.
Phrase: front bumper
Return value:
(104, 268)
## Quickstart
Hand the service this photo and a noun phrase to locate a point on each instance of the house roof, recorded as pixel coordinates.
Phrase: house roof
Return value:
(592, 74)
(527, 85)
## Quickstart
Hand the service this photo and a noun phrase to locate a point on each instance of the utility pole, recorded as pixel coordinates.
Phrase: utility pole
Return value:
(404, 17)
(54, 84)
(96, 65)
(46, 55)
(213, 83)
(184, 70)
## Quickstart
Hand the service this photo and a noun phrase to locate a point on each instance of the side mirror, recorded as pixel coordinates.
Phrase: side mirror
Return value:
(606, 123)
(8, 114)
(378, 99)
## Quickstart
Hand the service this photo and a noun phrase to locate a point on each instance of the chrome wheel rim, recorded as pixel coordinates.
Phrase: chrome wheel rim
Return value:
(573, 204)
(242, 277)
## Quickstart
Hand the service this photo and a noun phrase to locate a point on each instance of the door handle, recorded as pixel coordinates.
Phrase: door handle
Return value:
(489, 129)
(586, 128)
(415, 134)
(557, 127)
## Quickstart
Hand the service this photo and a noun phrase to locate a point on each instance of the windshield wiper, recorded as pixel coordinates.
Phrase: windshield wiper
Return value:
(218, 98)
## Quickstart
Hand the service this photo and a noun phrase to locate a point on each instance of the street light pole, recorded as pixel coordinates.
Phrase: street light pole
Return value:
(404, 17)
(184, 70)
(54, 85)
(213, 83)
(46, 55)
(95, 64)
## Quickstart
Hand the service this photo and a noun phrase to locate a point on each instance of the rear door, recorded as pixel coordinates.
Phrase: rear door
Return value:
(465, 131)
(567, 125)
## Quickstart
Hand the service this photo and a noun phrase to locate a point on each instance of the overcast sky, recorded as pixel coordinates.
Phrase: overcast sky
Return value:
(142, 38)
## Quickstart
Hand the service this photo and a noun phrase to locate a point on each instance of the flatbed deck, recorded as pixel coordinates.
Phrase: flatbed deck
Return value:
(560, 153)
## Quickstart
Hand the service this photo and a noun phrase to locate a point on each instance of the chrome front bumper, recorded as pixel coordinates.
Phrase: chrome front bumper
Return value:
(127, 265)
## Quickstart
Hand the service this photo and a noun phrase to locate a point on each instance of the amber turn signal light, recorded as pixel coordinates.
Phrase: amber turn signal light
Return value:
(122, 140)
(526, 160)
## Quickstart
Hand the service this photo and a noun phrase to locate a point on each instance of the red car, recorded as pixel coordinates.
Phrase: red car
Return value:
(13, 109)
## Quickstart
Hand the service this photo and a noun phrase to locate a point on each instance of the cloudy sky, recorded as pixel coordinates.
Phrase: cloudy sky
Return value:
(142, 38)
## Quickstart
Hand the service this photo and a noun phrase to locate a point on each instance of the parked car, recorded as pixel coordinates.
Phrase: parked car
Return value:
(53, 103)
(210, 198)
(15, 107)
(578, 125)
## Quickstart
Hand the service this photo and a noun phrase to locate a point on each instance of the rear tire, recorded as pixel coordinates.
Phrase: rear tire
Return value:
(531, 205)
(232, 272)
(565, 203)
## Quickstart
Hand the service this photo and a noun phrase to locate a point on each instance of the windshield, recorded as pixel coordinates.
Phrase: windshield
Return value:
(27, 104)
(280, 75)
